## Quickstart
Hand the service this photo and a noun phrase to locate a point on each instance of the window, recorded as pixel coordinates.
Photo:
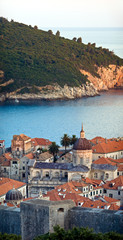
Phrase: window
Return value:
(18, 149)
(117, 173)
(93, 192)
(47, 174)
(81, 160)
(14, 162)
(95, 175)
(61, 210)
(87, 160)
(104, 190)
(107, 175)
(118, 192)
(110, 195)
(97, 192)
(100, 191)
(86, 195)
(23, 175)
(4, 169)
(23, 168)
(16, 172)
(66, 174)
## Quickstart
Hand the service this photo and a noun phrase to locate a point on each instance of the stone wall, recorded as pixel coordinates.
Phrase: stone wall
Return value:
(98, 219)
(40, 216)
(37, 217)
(10, 221)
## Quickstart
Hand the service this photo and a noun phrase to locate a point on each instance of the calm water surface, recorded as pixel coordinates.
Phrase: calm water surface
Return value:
(101, 116)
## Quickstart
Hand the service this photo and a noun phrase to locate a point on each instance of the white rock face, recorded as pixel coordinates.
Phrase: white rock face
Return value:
(57, 92)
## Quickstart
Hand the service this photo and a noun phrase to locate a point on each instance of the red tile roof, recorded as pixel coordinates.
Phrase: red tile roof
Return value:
(30, 155)
(110, 146)
(41, 141)
(120, 168)
(6, 163)
(104, 161)
(114, 184)
(54, 195)
(7, 184)
(1, 141)
(94, 182)
(8, 156)
(97, 140)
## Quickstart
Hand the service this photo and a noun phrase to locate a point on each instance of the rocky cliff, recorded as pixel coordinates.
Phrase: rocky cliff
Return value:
(109, 77)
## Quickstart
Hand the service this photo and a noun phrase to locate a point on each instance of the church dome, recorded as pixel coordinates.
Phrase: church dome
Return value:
(13, 195)
(82, 144)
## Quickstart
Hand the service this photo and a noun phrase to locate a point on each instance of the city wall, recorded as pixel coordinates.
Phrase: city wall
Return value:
(36, 217)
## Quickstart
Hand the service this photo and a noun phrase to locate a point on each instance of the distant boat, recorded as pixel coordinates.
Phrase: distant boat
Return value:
(16, 100)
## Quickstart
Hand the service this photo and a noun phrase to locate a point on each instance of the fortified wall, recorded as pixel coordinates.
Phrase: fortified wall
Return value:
(37, 217)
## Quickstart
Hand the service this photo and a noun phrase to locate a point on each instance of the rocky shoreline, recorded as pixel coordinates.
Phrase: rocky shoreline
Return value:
(54, 93)
(109, 78)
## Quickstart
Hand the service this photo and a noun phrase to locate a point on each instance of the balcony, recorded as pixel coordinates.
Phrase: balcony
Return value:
(46, 181)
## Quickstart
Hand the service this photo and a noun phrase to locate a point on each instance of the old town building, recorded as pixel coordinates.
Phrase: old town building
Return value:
(21, 144)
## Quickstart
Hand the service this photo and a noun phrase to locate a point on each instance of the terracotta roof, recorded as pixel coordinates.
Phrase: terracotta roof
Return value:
(7, 184)
(114, 184)
(30, 155)
(94, 182)
(109, 147)
(6, 163)
(21, 137)
(1, 141)
(57, 194)
(104, 161)
(8, 156)
(41, 141)
(97, 140)
(119, 161)
(68, 187)
(82, 144)
(120, 167)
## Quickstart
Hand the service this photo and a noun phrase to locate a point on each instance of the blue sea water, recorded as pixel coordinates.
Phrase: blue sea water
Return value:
(101, 115)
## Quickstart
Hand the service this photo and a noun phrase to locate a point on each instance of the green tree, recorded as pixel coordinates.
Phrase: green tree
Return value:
(58, 33)
(73, 139)
(74, 39)
(54, 149)
(65, 141)
(50, 32)
(79, 40)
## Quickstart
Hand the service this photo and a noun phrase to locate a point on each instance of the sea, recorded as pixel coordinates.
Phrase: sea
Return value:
(101, 115)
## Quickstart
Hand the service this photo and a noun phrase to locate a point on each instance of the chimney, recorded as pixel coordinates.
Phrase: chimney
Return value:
(105, 140)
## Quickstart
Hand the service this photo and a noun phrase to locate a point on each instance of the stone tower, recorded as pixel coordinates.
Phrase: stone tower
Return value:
(82, 151)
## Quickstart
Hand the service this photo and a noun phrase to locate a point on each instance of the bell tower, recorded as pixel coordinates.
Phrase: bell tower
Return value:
(82, 133)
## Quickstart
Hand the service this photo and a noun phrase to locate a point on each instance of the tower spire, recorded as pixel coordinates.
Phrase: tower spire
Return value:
(82, 133)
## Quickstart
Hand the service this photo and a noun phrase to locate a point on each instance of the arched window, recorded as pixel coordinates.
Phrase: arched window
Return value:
(66, 174)
(95, 175)
(47, 174)
(61, 210)
(37, 174)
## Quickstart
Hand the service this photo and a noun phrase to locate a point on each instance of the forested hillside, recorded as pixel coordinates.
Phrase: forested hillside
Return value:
(32, 57)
